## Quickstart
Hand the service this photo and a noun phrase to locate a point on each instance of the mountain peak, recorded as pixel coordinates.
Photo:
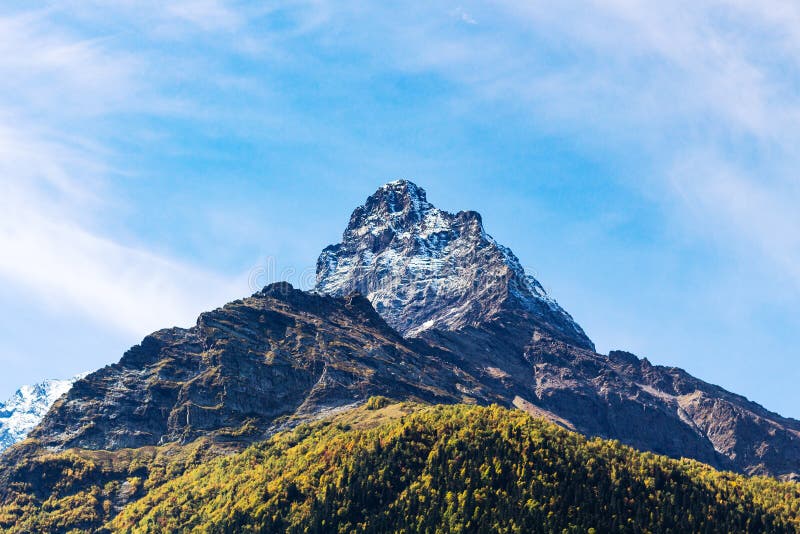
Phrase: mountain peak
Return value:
(403, 187)
(393, 206)
(424, 268)
(23, 411)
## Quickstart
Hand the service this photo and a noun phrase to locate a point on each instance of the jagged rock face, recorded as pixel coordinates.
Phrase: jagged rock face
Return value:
(23, 411)
(280, 353)
(423, 268)
(619, 396)
(753, 439)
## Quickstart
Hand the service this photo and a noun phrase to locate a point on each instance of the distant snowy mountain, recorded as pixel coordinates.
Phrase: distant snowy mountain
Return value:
(24, 410)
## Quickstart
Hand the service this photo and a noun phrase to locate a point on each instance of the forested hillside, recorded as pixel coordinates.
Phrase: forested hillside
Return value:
(456, 469)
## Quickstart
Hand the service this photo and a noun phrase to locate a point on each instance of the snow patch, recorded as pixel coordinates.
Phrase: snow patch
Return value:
(23, 411)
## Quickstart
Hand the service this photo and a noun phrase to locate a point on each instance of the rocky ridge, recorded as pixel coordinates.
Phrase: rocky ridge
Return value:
(279, 357)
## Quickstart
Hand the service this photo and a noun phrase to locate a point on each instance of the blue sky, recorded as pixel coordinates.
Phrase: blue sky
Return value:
(639, 158)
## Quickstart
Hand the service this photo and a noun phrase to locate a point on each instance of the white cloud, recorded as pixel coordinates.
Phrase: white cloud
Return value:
(756, 218)
(49, 73)
(206, 14)
(54, 175)
(50, 250)
(463, 16)
(73, 270)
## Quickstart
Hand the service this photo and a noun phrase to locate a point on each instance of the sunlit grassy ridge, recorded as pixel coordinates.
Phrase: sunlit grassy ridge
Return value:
(406, 468)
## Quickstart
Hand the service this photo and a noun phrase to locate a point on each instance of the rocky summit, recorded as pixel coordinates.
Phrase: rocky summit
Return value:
(415, 304)
(427, 269)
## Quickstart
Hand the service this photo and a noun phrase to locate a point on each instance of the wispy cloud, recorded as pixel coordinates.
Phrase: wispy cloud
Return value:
(52, 248)
(51, 73)
(54, 176)
(463, 16)
(206, 14)
(76, 271)
(757, 218)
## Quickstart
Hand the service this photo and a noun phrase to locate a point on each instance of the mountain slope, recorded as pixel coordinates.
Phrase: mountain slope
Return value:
(454, 469)
(664, 410)
(23, 411)
(281, 355)
(440, 278)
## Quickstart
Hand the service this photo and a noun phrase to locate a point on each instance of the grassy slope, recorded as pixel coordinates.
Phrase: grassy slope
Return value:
(407, 468)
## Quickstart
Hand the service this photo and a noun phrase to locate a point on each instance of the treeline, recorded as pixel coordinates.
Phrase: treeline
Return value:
(449, 469)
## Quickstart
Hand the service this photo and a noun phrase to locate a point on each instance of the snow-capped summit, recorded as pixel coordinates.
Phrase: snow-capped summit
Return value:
(424, 268)
(24, 410)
